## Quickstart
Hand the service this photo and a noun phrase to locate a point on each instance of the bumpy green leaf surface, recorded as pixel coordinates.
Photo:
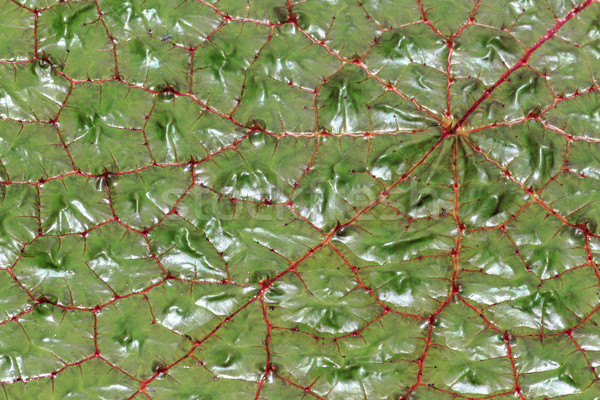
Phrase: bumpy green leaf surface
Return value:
(269, 199)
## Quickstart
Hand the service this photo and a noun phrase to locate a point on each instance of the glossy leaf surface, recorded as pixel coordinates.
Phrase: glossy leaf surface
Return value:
(269, 199)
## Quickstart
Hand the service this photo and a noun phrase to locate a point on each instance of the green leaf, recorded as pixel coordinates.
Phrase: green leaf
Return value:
(268, 199)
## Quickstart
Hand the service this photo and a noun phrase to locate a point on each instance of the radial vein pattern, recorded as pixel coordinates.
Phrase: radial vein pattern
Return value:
(267, 199)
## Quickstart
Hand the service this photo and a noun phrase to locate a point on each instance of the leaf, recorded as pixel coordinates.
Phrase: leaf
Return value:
(269, 199)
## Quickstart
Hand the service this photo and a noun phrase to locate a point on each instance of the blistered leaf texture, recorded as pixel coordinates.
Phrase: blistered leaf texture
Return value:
(277, 199)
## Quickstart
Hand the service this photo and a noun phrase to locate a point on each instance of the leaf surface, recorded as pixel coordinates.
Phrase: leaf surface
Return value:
(271, 199)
